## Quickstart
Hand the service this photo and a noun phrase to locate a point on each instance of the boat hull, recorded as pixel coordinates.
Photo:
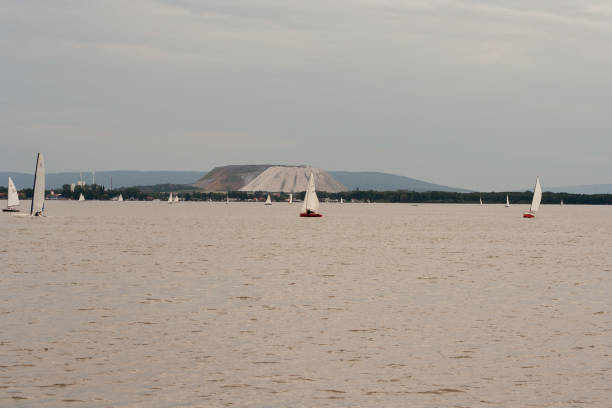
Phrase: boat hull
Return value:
(310, 215)
(528, 215)
(10, 210)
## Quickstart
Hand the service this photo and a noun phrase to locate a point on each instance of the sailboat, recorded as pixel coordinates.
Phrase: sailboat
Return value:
(535, 202)
(38, 191)
(170, 199)
(561, 199)
(81, 197)
(480, 200)
(268, 201)
(120, 198)
(13, 197)
(311, 201)
(290, 198)
(507, 201)
(176, 198)
(227, 198)
(341, 200)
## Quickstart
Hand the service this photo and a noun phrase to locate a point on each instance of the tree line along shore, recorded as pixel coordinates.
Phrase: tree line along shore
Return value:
(187, 193)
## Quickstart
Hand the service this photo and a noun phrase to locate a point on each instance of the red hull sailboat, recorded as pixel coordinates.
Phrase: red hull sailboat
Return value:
(535, 202)
(311, 201)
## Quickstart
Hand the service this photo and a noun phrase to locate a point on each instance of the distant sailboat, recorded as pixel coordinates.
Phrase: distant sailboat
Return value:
(176, 198)
(227, 198)
(561, 202)
(480, 200)
(507, 201)
(341, 200)
(170, 199)
(311, 201)
(268, 200)
(290, 198)
(13, 197)
(81, 197)
(120, 198)
(38, 193)
(535, 202)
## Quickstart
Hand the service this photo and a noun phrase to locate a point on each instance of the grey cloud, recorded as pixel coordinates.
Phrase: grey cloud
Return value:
(470, 93)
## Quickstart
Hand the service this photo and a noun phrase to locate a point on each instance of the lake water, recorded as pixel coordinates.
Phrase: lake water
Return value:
(144, 304)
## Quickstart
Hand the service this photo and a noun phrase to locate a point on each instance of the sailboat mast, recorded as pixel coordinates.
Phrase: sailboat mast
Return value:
(34, 186)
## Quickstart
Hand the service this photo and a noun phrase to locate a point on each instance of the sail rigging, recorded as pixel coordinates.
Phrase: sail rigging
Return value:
(537, 196)
(311, 201)
(38, 193)
(13, 197)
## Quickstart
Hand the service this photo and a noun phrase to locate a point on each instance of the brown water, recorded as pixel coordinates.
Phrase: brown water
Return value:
(149, 305)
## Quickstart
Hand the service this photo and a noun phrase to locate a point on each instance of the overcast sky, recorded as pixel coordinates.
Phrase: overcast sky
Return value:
(477, 94)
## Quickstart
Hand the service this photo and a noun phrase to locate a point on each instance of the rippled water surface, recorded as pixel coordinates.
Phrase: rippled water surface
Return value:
(140, 304)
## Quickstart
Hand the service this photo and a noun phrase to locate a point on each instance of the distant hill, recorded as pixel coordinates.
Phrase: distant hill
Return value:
(230, 178)
(387, 182)
(586, 189)
(237, 176)
(288, 179)
(121, 178)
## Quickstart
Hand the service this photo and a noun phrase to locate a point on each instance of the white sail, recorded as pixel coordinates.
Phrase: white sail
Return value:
(537, 196)
(170, 199)
(290, 198)
(268, 200)
(311, 201)
(227, 199)
(38, 195)
(507, 201)
(120, 197)
(480, 200)
(341, 200)
(81, 197)
(561, 201)
(176, 198)
(13, 197)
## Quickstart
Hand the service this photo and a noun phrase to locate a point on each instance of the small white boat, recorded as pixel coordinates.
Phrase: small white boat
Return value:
(170, 199)
(480, 200)
(311, 201)
(38, 191)
(535, 202)
(341, 200)
(268, 201)
(561, 202)
(81, 197)
(176, 198)
(507, 201)
(290, 198)
(120, 198)
(13, 197)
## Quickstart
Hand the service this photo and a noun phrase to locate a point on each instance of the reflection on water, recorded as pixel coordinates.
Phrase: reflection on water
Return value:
(199, 304)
